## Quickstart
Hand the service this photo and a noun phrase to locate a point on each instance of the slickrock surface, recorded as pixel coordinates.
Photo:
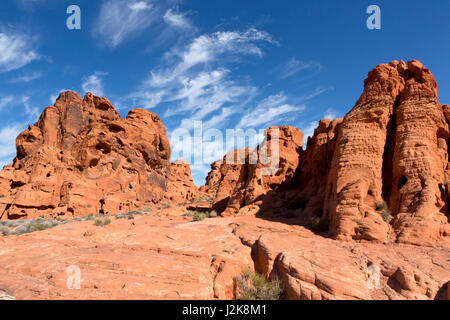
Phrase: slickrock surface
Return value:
(169, 257)
(380, 174)
(81, 158)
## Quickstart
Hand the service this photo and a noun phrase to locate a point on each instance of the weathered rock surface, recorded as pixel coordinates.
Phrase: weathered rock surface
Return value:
(170, 257)
(180, 185)
(379, 174)
(256, 177)
(82, 158)
(393, 147)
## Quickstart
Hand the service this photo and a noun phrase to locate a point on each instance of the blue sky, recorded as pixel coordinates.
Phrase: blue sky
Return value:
(230, 64)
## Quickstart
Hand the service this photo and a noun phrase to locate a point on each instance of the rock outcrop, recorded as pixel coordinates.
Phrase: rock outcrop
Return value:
(82, 158)
(250, 177)
(379, 174)
(170, 257)
(392, 147)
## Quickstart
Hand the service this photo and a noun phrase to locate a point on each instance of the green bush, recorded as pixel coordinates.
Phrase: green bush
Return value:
(199, 216)
(129, 215)
(253, 286)
(165, 205)
(4, 231)
(385, 212)
(102, 222)
(319, 223)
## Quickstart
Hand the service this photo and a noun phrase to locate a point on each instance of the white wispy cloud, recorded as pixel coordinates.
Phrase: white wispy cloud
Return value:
(209, 48)
(31, 112)
(5, 101)
(26, 77)
(314, 93)
(267, 110)
(308, 130)
(197, 80)
(294, 66)
(187, 75)
(16, 50)
(177, 20)
(122, 19)
(8, 136)
(94, 83)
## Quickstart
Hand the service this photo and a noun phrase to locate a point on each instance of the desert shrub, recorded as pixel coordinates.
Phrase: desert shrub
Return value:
(2, 195)
(61, 220)
(21, 230)
(9, 223)
(136, 212)
(384, 210)
(199, 216)
(165, 205)
(386, 215)
(4, 231)
(129, 215)
(253, 286)
(380, 205)
(102, 222)
(319, 223)
(38, 225)
(121, 215)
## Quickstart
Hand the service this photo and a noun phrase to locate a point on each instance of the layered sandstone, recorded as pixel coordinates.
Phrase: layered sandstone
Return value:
(82, 158)
(393, 147)
(170, 257)
(256, 177)
(380, 174)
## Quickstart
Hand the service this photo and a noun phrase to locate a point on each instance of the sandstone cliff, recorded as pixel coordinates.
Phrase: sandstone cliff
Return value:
(381, 174)
(82, 158)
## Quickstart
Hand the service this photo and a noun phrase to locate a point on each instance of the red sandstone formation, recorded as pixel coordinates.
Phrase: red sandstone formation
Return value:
(245, 177)
(82, 158)
(388, 156)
